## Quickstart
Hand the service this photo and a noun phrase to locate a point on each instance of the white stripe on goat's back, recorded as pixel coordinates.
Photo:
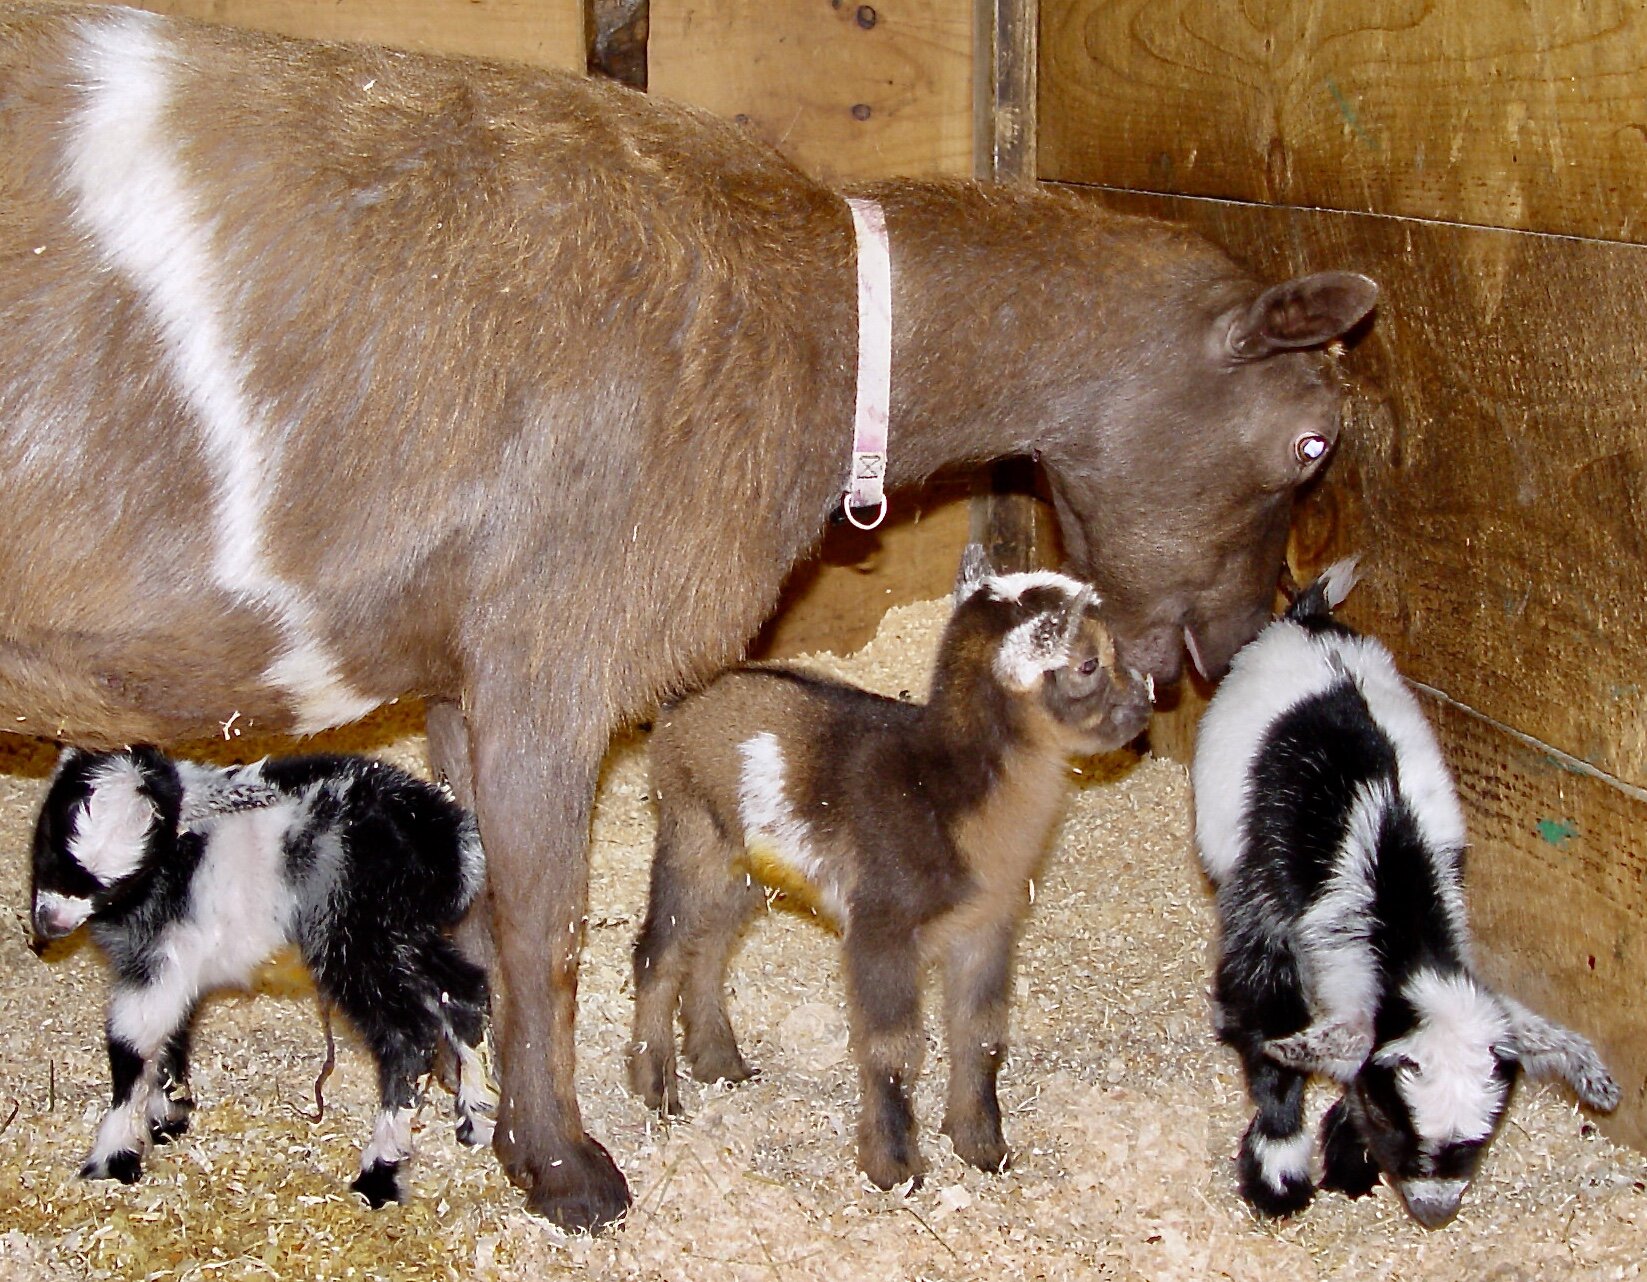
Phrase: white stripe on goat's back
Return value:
(112, 827)
(1341, 972)
(1272, 675)
(133, 199)
(241, 903)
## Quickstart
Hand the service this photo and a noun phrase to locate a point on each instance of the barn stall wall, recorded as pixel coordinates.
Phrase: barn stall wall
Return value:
(1484, 159)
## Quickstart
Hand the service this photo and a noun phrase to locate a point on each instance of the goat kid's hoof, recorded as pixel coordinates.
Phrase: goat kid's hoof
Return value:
(379, 1184)
(126, 1166)
(652, 1079)
(1273, 1199)
(888, 1171)
(980, 1147)
(475, 1130)
(168, 1129)
(580, 1189)
(718, 1068)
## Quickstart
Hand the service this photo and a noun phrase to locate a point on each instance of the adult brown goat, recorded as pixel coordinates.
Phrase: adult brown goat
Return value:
(330, 375)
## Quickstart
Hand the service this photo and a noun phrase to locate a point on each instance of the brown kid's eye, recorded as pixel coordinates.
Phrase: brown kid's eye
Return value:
(1088, 668)
(1309, 447)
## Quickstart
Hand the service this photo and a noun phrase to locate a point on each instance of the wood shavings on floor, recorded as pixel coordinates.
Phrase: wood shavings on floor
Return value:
(1122, 1112)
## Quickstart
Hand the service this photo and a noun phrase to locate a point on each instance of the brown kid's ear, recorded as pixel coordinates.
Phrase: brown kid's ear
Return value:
(1306, 311)
(974, 569)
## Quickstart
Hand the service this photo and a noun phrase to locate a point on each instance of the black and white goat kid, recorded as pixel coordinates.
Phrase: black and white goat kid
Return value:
(1328, 823)
(192, 876)
(907, 826)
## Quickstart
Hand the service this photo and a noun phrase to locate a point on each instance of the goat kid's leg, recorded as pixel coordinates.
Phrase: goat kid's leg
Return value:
(1346, 1166)
(449, 759)
(534, 810)
(1274, 1163)
(659, 964)
(169, 1106)
(727, 899)
(977, 979)
(462, 1001)
(882, 970)
(145, 1026)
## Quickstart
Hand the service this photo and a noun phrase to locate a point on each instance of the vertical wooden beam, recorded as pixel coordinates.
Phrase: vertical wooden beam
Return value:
(615, 34)
(1008, 519)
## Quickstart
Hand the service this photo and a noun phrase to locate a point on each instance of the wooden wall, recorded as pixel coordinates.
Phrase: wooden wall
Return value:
(1486, 161)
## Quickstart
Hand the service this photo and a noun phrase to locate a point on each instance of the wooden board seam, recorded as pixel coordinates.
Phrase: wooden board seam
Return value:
(1329, 209)
(1568, 762)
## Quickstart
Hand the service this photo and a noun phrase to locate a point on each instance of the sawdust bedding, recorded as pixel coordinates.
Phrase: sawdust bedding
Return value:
(1122, 1111)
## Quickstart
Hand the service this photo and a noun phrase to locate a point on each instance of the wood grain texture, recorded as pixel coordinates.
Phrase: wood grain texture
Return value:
(545, 33)
(1506, 113)
(1493, 471)
(1557, 887)
(848, 91)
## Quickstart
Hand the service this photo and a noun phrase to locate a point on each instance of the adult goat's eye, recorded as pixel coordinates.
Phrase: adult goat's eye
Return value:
(1309, 447)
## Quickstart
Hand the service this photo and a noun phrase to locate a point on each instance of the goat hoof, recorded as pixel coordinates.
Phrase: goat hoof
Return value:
(475, 1131)
(888, 1170)
(721, 1066)
(652, 1078)
(379, 1184)
(1274, 1197)
(981, 1146)
(126, 1166)
(579, 1190)
(164, 1132)
(1347, 1167)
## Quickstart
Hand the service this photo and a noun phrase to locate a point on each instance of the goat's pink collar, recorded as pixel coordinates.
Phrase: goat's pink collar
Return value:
(866, 486)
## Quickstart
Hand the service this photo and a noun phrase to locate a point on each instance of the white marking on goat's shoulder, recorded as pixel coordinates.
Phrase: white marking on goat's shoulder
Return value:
(1454, 1095)
(111, 828)
(1270, 676)
(132, 195)
(770, 824)
(239, 911)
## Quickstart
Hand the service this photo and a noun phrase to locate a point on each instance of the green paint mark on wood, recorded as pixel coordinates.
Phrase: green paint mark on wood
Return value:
(1558, 832)
(1351, 118)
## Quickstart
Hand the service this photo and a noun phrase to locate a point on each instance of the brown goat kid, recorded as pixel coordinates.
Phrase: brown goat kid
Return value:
(332, 375)
(904, 826)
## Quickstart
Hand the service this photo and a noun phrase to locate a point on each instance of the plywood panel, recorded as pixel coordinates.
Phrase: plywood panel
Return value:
(546, 33)
(1509, 113)
(1494, 467)
(846, 90)
(1557, 878)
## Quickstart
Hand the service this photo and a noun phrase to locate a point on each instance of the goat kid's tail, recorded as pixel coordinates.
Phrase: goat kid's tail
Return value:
(1325, 593)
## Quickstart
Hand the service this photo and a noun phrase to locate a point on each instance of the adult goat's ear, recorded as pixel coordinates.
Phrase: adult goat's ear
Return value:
(1549, 1052)
(1331, 1048)
(1307, 311)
